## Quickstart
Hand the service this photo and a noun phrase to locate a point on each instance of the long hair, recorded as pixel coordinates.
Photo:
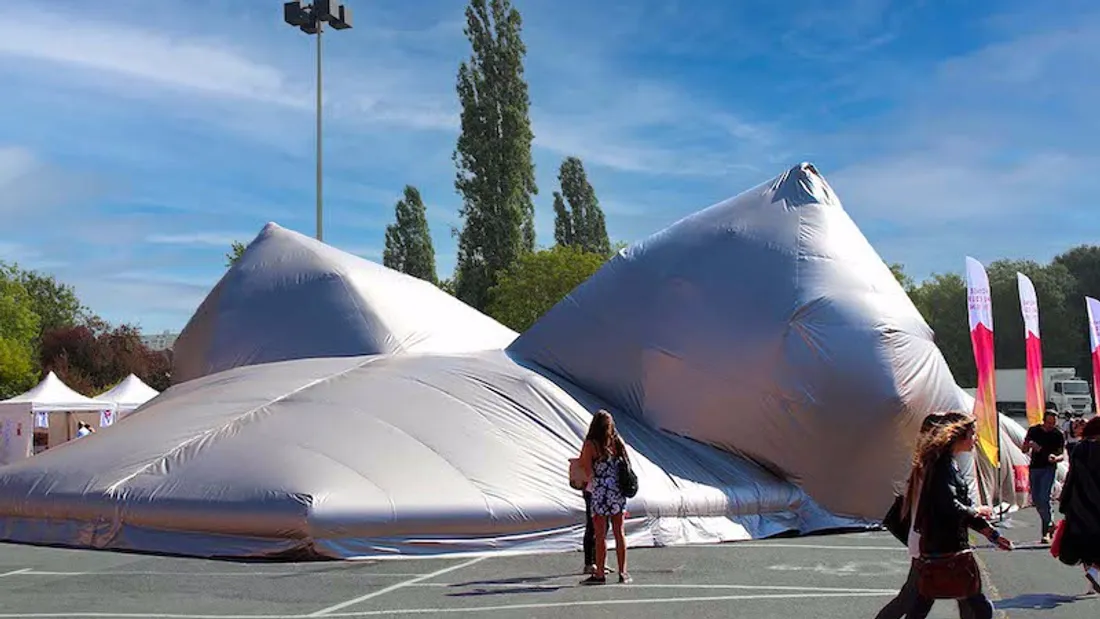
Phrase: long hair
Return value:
(604, 436)
(930, 448)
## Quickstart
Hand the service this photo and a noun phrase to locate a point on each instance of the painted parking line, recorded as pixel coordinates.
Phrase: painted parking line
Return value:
(605, 602)
(15, 572)
(34, 572)
(401, 585)
(677, 586)
(766, 545)
(451, 610)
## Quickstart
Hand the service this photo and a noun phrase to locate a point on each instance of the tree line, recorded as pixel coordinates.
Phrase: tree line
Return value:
(1060, 287)
(499, 270)
(44, 327)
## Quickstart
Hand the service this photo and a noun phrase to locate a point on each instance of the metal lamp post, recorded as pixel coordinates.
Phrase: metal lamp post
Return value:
(311, 19)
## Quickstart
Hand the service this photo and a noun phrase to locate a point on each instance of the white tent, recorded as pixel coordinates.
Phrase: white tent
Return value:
(21, 414)
(290, 296)
(129, 394)
(377, 455)
(766, 369)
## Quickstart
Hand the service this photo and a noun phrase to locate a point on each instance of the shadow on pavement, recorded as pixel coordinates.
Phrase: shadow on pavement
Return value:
(1037, 601)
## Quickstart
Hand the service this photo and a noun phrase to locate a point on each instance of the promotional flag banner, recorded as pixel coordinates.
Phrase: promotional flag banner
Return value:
(1029, 307)
(1093, 307)
(980, 310)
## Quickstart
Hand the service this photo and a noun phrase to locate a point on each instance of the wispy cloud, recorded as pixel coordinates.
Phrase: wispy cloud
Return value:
(185, 63)
(991, 151)
(29, 186)
(215, 239)
(160, 138)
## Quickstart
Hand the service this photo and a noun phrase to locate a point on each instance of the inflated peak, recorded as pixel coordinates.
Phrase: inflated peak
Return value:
(291, 296)
(767, 325)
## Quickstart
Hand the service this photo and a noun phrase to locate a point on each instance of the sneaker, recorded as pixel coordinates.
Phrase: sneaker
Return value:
(1093, 574)
(625, 579)
(594, 580)
(1045, 539)
(589, 569)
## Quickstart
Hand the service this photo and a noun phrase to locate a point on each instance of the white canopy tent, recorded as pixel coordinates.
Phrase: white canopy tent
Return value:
(21, 415)
(129, 394)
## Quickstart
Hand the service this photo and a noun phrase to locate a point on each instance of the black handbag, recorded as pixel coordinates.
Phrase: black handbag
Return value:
(895, 522)
(628, 479)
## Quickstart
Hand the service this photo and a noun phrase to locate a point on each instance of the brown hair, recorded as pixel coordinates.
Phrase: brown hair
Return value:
(934, 420)
(1092, 428)
(603, 435)
(930, 448)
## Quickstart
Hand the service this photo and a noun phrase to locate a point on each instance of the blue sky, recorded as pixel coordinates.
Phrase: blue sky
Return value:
(133, 151)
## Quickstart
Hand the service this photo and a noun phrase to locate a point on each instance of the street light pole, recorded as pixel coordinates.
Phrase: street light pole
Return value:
(320, 210)
(311, 19)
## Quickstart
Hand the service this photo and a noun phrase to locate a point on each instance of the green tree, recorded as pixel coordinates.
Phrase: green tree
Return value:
(903, 278)
(496, 174)
(1054, 286)
(941, 299)
(236, 250)
(447, 285)
(563, 222)
(19, 331)
(583, 223)
(1083, 263)
(408, 241)
(537, 282)
(56, 304)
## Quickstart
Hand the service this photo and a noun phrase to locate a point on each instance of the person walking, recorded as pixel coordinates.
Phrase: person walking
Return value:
(938, 503)
(1047, 445)
(899, 525)
(600, 457)
(1080, 505)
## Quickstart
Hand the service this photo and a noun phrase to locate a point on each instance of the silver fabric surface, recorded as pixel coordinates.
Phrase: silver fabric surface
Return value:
(367, 456)
(766, 325)
(293, 297)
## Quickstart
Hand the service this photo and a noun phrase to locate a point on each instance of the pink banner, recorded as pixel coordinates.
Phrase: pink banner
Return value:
(980, 311)
(1029, 307)
(1093, 307)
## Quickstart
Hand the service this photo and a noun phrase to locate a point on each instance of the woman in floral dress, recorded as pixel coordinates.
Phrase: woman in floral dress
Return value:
(603, 450)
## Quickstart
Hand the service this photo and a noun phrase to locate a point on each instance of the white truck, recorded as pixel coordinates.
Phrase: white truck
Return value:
(1064, 392)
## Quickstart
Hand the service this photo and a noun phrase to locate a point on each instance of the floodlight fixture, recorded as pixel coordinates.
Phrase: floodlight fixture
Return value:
(310, 19)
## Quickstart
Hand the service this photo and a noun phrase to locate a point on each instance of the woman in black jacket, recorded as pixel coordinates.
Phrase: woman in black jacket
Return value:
(1080, 505)
(938, 502)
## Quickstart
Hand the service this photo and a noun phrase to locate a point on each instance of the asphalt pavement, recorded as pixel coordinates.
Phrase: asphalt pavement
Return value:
(842, 576)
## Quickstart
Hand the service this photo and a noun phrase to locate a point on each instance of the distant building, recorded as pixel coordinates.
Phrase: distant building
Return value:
(160, 341)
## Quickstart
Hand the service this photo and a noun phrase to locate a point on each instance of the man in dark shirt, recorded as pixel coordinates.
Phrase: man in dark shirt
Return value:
(1047, 446)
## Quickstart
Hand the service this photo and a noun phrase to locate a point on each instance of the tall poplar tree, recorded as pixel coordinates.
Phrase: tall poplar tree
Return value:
(408, 240)
(582, 225)
(563, 222)
(496, 174)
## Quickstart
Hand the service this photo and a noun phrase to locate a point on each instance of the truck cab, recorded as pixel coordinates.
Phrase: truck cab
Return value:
(1070, 395)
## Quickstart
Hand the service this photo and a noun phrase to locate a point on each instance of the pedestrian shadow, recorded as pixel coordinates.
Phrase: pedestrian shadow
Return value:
(500, 586)
(1037, 601)
(506, 591)
(518, 580)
